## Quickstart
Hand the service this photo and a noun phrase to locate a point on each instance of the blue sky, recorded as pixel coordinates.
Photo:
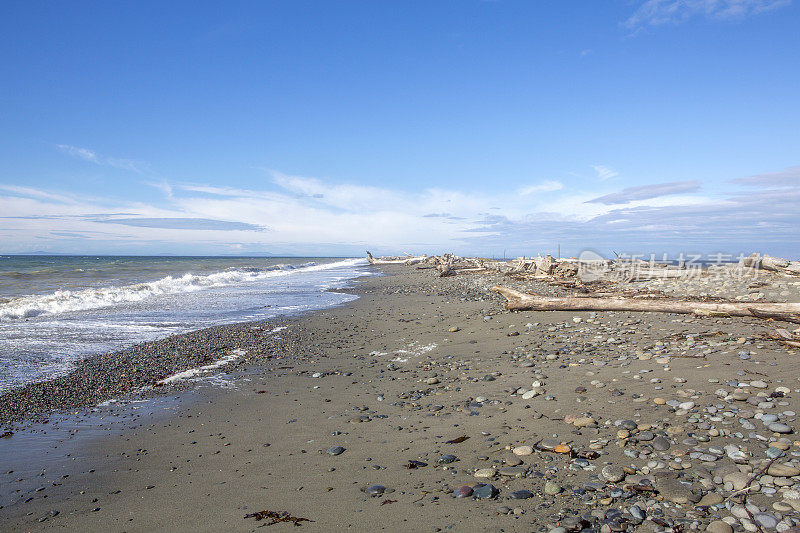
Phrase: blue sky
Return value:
(295, 127)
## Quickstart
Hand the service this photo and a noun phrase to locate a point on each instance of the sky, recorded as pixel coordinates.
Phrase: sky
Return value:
(328, 128)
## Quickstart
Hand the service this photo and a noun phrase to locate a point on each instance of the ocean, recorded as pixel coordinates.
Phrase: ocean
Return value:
(55, 310)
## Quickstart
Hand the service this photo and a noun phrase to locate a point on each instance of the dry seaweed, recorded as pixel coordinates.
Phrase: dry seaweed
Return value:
(277, 517)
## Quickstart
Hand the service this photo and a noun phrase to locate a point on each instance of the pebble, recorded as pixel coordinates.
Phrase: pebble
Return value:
(783, 470)
(660, 443)
(522, 450)
(375, 490)
(778, 427)
(551, 488)
(613, 473)
(485, 491)
(672, 489)
(584, 421)
(335, 450)
(718, 526)
(766, 520)
(463, 492)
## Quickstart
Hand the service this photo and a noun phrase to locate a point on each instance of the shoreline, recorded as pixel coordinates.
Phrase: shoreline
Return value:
(416, 370)
(139, 369)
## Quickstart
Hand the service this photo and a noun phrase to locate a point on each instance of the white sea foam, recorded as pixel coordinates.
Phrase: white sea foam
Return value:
(194, 372)
(96, 298)
(414, 350)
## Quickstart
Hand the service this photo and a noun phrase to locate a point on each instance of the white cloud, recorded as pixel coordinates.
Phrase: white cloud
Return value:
(93, 157)
(545, 186)
(604, 173)
(657, 12)
(294, 211)
(647, 192)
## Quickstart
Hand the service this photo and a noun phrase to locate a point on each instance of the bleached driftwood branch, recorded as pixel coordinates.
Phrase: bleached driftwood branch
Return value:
(521, 301)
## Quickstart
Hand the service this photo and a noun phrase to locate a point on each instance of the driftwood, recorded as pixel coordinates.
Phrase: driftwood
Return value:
(409, 260)
(445, 271)
(786, 317)
(786, 337)
(663, 273)
(772, 264)
(520, 301)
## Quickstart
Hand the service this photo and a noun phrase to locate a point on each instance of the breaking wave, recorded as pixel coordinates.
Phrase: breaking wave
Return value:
(80, 300)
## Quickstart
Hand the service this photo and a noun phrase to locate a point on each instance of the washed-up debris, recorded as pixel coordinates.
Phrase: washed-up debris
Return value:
(277, 517)
(457, 440)
(786, 337)
(520, 301)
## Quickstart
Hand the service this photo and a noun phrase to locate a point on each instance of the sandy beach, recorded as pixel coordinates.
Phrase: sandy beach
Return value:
(425, 406)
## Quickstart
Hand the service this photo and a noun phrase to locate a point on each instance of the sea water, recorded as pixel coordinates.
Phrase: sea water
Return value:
(55, 310)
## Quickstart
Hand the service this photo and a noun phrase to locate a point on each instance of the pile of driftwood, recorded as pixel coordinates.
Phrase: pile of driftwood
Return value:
(577, 272)
(771, 264)
(626, 270)
(445, 264)
(596, 284)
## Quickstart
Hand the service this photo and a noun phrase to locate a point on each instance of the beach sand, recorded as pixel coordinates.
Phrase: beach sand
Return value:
(415, 362)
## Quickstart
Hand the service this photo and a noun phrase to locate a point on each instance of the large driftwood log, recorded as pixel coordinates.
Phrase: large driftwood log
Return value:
(520, 301)
(786, 317)
(664, 273)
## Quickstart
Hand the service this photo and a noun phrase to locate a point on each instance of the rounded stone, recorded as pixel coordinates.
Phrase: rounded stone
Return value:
(335, 450)
(584, 421)
(551, 489)
(522, 450)
(613, 473)
(778, 427)
(718, 526)
(375, 490)
(485, 491)
(661, 443)
(766, 520)
(783, 470)
(463, 492)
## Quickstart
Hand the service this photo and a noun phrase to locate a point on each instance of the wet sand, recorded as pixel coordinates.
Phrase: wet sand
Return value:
(391, 377)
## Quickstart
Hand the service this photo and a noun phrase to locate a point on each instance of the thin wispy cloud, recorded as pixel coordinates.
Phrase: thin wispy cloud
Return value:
(659, 12)
(93, 157)
(604, 173)
(545, 186)
(32, 192)
(181, 223)
(789, 177)
(647, 192)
